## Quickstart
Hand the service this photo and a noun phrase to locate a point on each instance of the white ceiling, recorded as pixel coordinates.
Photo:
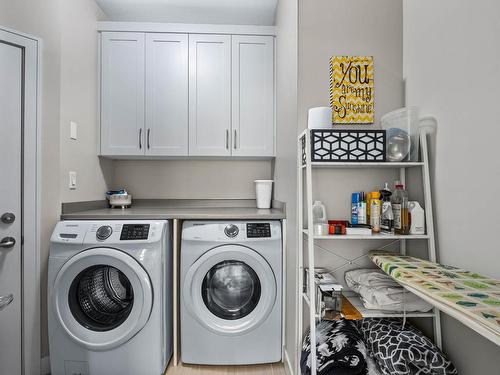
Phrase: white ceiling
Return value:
(232, 12)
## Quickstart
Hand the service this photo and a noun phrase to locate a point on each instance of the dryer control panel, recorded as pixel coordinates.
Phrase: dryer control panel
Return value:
(134, 232)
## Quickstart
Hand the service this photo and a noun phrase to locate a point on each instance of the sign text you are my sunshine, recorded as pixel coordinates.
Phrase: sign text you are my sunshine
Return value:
(351, 89)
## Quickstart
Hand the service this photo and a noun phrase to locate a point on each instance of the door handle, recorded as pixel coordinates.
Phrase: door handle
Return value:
(227, 139)
(234, 141)
(149, 132)
(140, 139)
(7, 242)
(6, 301)
(8, 218)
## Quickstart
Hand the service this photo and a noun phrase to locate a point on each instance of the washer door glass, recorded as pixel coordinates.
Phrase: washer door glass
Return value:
(101, 298)
(231, 290)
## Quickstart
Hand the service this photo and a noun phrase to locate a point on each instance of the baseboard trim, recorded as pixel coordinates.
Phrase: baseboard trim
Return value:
(288, 365)
(45, 366)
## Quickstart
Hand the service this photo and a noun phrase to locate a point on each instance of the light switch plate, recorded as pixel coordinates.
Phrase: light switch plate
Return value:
(72, 180)
(73, 130)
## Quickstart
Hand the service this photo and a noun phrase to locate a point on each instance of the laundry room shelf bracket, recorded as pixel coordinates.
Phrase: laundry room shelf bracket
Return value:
(305, 168)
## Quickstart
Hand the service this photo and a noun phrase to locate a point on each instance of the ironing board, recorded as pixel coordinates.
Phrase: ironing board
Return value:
(468, 297)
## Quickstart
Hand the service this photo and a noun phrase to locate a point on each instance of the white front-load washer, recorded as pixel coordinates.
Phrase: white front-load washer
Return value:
(110, 298)
(231, 296)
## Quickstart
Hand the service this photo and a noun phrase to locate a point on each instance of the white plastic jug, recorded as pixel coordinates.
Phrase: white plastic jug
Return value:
(319, 213)
(417, 218)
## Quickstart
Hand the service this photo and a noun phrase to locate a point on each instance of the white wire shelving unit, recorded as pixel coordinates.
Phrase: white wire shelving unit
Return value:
(305, 202)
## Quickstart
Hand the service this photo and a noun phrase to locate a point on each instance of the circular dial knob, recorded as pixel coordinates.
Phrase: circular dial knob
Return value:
(103, 232)
(231, 230)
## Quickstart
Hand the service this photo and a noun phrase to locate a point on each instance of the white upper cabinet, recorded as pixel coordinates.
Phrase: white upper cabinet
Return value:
(252, 95)
(209, 95)
(166, 128)
(122, 93)
(187, 93)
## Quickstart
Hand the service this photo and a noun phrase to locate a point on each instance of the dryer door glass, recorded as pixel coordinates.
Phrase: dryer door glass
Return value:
(231, 290)
(101, 298)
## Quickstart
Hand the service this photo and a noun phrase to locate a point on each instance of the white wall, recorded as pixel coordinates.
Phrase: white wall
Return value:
(79, 103)
(326, 28)
(285, 165)
(190, 179)
(451, 67)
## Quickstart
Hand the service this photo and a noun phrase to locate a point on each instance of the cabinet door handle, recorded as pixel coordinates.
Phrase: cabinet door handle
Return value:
(227, 139)
(140, 139)
(149, 132)
(234, 141)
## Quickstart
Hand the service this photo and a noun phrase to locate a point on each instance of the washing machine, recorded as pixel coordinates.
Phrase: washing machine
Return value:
(231, 292)
(110, 298)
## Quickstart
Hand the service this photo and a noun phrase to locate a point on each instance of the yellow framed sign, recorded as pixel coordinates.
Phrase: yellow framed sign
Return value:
(352, 89)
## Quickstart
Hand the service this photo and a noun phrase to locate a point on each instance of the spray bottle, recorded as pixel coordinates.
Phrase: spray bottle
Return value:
(387, 216)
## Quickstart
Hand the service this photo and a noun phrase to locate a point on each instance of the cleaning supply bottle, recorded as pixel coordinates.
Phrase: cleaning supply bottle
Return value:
(400, 209)
(417, 218)
(362, 215)
(375, 211)
(355, 199)
(320, 221)
(368, 204)
(387, 216)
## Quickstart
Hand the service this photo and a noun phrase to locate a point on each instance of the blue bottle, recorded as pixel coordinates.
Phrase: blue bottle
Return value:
(355, 201)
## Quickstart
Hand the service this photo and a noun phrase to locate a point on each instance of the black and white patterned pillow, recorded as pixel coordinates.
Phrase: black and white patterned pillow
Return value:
(402, 349)
(340, 349)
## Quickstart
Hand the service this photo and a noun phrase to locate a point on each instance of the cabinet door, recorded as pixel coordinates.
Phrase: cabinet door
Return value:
(253, 95)
(122, 94)
(209, 95)
(166, 94)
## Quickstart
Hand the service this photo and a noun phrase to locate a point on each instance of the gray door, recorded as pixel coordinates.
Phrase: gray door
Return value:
(11, 96)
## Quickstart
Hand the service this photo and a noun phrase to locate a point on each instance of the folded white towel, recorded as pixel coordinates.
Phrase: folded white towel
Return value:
(378, 291)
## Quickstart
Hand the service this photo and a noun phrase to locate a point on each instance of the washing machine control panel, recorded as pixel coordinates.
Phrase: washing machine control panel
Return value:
(258, 230)
(134, 232)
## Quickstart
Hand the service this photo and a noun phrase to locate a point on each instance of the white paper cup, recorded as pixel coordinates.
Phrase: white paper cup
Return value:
(319, 118)
(263, 192)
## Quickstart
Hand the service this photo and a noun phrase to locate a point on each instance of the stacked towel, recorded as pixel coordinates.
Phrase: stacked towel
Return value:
(379, 291)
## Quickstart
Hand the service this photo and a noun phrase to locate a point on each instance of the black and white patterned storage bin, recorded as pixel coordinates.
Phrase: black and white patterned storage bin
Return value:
(401, 349)
(347, 145)
(340, 350)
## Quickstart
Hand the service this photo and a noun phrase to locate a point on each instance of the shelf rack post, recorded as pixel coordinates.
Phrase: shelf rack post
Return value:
(310, 254)
(300, 255)
(429, 219)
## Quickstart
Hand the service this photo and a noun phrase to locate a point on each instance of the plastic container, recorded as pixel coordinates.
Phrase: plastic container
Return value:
(263, 193)
(375, 211)
(320, 222)
(319, 213)
(319, 118)
(387, 216)
(402, 134)
(355, 200)
(362, 210)
(400, 209)
(417, 218)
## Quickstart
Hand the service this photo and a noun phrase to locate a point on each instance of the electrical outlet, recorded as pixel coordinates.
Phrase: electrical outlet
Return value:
(72, 180)
(73, 130)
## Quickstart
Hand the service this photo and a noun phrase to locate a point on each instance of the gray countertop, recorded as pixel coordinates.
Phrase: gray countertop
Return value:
(199, 209)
